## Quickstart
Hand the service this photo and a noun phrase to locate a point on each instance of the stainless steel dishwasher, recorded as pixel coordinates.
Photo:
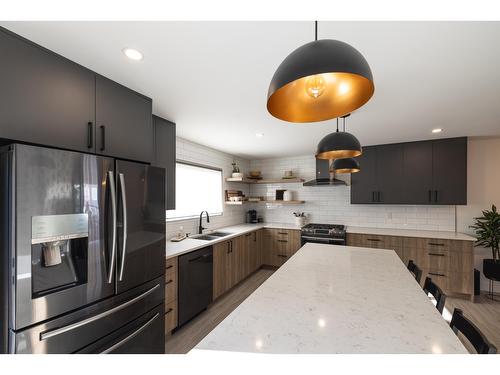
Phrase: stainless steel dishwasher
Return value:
(195, 283)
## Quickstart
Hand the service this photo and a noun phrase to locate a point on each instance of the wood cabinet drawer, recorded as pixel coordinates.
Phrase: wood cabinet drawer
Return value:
(434, 244)
(451, 282)
(374, 241)
(170, 266)
(170, 316)
(171, 288)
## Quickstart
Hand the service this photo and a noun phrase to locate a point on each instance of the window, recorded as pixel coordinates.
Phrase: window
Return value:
(197, 188)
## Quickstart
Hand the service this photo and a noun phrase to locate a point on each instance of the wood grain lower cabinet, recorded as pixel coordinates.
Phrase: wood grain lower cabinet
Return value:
(171, 281)
(222, 268)
(279, 245)
(450, 263)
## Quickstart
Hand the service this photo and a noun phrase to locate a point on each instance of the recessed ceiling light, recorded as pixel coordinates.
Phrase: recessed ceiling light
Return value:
(437, 130)
(132, 54)
(260, 135)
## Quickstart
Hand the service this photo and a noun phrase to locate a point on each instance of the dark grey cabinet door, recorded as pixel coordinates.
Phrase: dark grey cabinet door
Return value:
(44, 98)
(417, 173)
(363, 183)
(390, 174)
(123, 122)
(165, 157)
(449, 171)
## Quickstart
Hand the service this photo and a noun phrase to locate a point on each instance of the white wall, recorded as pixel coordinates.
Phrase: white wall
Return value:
(193, 152)
(483, 189)
(331, 204)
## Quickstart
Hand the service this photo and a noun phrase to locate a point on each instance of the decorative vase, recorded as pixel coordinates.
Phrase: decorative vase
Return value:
(287, 195)
(300, 221)
(491, 269)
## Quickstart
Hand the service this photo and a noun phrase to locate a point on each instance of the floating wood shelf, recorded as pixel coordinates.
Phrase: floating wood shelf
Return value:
(266, 201)
(245, 180)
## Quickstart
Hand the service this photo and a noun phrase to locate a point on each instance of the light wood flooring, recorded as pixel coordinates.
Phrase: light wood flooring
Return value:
(485, 313)
(188, 336)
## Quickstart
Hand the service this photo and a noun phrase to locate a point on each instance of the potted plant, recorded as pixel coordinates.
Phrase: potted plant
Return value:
(487, 228)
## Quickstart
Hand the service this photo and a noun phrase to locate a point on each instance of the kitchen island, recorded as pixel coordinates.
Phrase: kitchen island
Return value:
(336, 299)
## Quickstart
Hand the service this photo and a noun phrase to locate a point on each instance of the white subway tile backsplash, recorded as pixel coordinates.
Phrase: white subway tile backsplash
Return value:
(329, 204)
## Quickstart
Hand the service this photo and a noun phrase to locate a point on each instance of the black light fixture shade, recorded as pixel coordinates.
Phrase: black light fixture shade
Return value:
(320, 81)
(348, 165)
(338, 145)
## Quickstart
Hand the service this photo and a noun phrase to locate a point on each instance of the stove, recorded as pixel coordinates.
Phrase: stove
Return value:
(323, 233)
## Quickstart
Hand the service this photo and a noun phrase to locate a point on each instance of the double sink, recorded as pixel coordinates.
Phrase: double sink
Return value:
(210, 236)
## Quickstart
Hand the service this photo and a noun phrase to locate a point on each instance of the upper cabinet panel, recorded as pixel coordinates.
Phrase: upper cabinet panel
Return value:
(165, 147)
(449, 171)
(123, 122)
(425, 172)
(44, 98)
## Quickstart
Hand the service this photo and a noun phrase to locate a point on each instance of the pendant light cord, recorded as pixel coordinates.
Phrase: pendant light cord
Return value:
(337, 124)
(315, 30)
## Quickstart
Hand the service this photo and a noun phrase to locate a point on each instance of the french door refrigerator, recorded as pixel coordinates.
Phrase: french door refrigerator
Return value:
(82, 253)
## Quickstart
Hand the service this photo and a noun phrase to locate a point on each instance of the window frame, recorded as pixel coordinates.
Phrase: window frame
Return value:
(205, 166)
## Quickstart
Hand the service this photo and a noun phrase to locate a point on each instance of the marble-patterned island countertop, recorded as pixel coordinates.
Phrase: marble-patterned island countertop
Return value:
(336, 299)
(174, 249)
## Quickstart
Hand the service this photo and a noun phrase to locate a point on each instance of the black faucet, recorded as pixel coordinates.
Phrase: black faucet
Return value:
(200, 227)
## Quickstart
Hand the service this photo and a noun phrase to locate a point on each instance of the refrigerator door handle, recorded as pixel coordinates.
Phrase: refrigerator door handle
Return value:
(124, 206)
(113, 209)
(70, 327)
(131, 336)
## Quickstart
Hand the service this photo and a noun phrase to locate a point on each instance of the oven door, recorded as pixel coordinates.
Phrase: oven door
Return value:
(326, 241)
(61, 252)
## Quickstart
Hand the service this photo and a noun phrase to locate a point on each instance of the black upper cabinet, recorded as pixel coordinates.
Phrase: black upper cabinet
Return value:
(364, 183)
(123, 122)
(449, 171)
(389, 174)
(49, 100)
(417, 173)
(426, 172)
(44, 98)
(165, 147)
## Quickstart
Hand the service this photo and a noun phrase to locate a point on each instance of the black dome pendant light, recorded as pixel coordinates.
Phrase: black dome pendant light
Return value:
(320, 81)
(344, 166)
(339, 145)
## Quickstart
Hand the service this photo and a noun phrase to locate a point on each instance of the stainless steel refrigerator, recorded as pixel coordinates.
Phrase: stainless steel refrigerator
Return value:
(82, 253)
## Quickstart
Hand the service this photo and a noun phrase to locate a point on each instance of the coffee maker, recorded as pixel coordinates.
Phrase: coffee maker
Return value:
(252, 217)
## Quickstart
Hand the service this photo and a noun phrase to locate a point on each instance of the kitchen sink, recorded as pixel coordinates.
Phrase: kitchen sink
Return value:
(205, 237)
(219, 234)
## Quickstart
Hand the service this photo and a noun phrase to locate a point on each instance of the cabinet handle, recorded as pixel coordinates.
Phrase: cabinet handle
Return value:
(103, 137)
(430, 196)
(90, 140)
(435, 196)
(373, 196)
(169, 281)
(282, 240)
(228, 247)
(283, 256)
(254, 236)
(379, 196)
(231, 246)
(168, 267)
(437, 274)
(248, 234)
(436, 254)
(436, 244)
(374, 239)
(285, 233)
(169, 311)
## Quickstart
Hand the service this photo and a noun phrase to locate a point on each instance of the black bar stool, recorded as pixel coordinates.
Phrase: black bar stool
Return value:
(417, 272)
(472, 333)
(437, 293)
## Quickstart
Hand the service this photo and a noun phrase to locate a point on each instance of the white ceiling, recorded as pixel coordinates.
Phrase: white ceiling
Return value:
(211, 78)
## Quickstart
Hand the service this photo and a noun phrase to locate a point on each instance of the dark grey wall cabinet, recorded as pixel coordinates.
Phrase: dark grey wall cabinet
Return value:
(426, 172)
(165, 148)
(123, 122)
(44, 98)
(49, 100)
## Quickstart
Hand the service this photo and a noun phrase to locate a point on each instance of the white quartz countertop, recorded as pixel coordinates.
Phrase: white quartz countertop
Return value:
(445, 235)
(336, 299)
(174, 249)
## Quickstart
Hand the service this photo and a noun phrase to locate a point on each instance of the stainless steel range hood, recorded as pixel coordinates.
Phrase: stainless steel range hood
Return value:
(323, 175)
